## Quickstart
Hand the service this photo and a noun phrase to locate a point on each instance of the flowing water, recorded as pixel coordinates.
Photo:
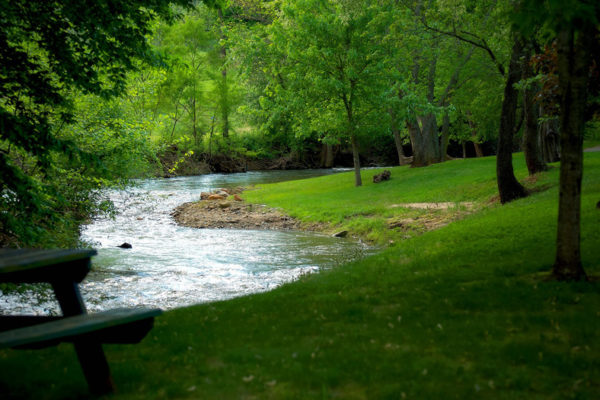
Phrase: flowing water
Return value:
(173, 266)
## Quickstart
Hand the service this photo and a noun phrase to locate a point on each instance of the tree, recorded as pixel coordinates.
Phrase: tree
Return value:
(187, 43)
(49, 52)
(335, 62)
(531, 131)
(577, 41)
(576, 25)
(473, 31)
(508, 186)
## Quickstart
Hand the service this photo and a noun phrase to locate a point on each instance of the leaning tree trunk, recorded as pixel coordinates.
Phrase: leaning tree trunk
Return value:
(573, 69)
(402, 159)
(531, 139)
(418, 146)
(508, 186)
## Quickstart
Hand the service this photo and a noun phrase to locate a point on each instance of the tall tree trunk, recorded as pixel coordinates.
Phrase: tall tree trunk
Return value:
(443, 100)
(326, 156)
(330, 157)
(356, 160)
(508, 186)
(418, 147)
(445, 136)
(212, 130)
(431, 140)
(323, 155)
(478, 150)
(573, 69)
(402, 159)
(429, 128)
(531, 142)
(225, 103)
(550, 139)
(474, 139)
(194, 117)
(352, 128)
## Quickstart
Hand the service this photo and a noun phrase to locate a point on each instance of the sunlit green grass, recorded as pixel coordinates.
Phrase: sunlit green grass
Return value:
(461, 312)
(367, 211)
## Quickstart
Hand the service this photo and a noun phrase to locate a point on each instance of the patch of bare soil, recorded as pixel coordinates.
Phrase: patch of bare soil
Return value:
(433, 206)
(425, 223)
(232, 215)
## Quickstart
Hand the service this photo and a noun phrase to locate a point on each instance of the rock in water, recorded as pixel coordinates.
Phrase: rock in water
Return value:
(384, 176)
(125, 245)
(341, 234)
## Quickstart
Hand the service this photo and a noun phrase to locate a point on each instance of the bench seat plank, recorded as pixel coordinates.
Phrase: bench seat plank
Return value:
(113, 326)
(29, 266)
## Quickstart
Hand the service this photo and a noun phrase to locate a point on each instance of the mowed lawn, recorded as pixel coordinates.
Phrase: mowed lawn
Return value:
(463, 311)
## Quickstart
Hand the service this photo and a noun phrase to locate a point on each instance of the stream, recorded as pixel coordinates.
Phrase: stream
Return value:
(172, 266)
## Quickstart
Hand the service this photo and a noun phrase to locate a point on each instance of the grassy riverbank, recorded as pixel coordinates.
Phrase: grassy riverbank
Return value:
(464, 311)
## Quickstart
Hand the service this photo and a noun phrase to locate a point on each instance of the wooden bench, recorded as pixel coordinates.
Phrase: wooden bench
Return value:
(64, 270)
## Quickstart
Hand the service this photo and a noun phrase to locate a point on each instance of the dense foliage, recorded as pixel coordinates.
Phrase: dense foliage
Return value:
(94, 95)
(52, 55)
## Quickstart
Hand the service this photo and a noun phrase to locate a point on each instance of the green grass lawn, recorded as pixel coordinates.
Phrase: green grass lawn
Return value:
(464, 311)
(369, 210)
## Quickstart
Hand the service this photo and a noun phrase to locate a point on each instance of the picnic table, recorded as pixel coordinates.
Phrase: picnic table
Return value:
(64, 270)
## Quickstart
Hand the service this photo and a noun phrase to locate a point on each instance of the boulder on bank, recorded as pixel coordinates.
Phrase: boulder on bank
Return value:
(222, 194)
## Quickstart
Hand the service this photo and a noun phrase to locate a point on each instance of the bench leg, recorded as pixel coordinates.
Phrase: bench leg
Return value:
(95, 367)
(90, 354)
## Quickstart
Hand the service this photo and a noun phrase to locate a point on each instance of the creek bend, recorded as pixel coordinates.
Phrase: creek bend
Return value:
(173, 266)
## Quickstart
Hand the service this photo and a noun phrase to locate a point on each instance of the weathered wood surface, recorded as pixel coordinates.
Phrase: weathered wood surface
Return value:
(29, 266)
(114, 326)
(64, 269)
